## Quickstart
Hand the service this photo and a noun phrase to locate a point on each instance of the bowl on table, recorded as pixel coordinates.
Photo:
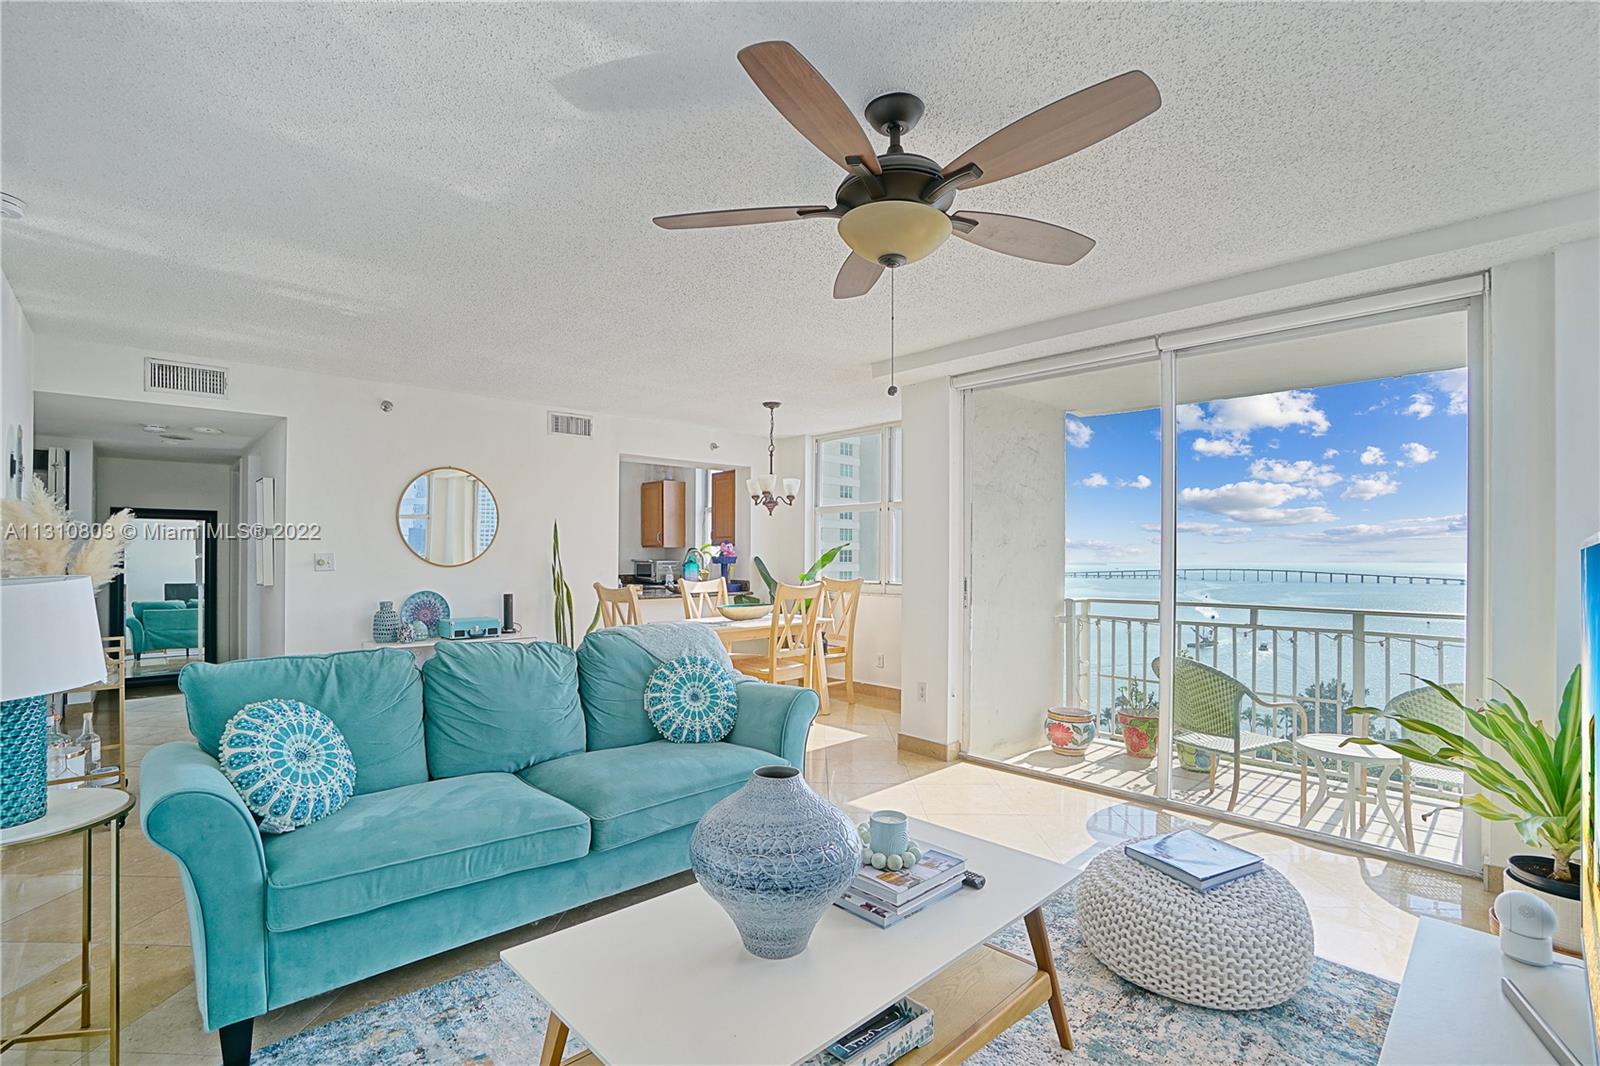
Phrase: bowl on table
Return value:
(744, 613)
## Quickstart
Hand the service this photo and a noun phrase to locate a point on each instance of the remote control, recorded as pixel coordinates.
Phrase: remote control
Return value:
(973, 879)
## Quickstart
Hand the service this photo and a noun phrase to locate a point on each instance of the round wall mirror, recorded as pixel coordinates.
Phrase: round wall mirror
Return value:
(447, 516)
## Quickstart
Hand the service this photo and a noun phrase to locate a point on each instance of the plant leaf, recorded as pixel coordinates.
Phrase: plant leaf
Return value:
(823, 562)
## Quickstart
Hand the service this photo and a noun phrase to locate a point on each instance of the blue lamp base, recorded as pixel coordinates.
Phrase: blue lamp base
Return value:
(24, 760)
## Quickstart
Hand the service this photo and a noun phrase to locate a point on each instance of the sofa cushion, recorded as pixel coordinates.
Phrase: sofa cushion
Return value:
(499, 706)
(289, 763)
(638, 791)
(691, 700)
(374, 697)
(415, 840)
(612, 671)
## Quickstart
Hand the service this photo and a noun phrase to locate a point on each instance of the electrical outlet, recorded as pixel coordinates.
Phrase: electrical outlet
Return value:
(880, 662)
(322, 563)
(922, 692)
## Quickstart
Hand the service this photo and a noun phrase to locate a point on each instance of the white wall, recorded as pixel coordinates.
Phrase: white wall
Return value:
(344, 463)
(16, 381)
(80, 473)
(208, 486)
(1576, 307)
(931, 669)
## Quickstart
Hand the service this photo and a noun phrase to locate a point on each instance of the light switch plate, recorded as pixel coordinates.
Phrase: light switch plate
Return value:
(322, 563)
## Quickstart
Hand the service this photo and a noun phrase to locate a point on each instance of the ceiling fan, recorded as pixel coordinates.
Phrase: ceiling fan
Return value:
(897, 207)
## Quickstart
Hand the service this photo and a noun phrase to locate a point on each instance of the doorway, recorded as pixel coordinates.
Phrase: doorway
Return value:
(164, 603)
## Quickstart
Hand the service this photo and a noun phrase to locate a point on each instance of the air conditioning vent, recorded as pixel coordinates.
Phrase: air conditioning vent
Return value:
(571, 425)
(191, 379)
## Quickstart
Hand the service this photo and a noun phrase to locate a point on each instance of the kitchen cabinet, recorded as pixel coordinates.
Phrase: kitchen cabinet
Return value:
(724, 505)
(661, 514)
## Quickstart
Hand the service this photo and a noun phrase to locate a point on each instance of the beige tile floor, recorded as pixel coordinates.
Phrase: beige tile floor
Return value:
(1364, 910)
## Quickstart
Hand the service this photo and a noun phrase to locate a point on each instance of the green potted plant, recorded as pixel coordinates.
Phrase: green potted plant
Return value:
(810, 576)
(1536, 785)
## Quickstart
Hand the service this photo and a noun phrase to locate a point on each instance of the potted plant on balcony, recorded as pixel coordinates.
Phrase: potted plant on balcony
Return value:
(1536, 785)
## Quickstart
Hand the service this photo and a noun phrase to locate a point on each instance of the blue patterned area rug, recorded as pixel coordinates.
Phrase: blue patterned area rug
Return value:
(489, 1016)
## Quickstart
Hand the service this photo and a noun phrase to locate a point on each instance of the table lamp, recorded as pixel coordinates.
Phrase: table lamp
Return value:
(49, 642)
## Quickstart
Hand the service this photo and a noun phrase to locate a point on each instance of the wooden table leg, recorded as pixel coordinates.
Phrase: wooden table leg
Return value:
(555, 1041)
(1039, 937)
(819, 677)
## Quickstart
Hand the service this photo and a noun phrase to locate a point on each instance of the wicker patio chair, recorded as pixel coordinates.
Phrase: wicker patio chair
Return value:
(1426, 704)
(1205, 715)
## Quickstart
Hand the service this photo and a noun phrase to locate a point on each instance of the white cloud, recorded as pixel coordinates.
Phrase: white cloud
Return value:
(1140, 482)
(1242, 415)
(1453, 383)
(1256, 501)
(1221, 446)
(1421, 405)
(1105, 549)
(1331, 453)
(1417, 454)
(1205, 529)
(1373, 456)
(1300, 472)
(1370, 488)
(1430, 528)
(1078, 434)
(1094, 481)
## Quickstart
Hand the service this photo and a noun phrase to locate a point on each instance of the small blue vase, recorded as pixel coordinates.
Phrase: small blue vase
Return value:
(775, 855)
(385, 623)
(24, 761)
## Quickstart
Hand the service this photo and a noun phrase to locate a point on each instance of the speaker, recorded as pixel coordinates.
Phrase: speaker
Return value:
(507, 623)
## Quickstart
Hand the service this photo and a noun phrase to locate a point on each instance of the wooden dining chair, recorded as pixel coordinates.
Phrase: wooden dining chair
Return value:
(791, 639)
(618, 607)
(839, 602)
(702, 598)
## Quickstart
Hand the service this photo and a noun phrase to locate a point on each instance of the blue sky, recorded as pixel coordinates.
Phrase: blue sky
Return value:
(1369, 475)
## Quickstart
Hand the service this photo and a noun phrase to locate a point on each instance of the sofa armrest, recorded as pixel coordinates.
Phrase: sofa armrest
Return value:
(775, 718)
(189, 810)
(135, 631)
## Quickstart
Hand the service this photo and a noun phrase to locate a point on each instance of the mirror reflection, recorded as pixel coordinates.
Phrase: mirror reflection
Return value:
(447, 516)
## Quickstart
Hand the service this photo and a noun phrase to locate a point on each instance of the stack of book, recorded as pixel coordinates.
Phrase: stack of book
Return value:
(884, 897)
(1194, 859)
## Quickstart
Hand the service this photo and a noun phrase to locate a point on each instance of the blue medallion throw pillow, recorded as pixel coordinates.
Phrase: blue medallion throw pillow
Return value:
(691, 700)
(289, 762)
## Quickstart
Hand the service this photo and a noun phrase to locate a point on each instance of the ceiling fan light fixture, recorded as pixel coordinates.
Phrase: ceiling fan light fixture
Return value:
(894, 232)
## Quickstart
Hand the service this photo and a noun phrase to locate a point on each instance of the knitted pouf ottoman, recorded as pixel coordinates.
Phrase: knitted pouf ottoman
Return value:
(1242, 946)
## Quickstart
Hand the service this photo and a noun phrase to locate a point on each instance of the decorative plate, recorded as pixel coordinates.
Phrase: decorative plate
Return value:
(426, 607)
(288, 761)
(691, 700)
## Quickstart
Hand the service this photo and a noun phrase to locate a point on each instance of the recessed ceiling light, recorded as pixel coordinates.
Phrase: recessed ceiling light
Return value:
(153, 428)
(175, 437)
(11, 206)
(210, 431)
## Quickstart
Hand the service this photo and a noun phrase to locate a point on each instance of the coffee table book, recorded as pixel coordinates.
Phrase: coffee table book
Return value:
(884, 914)
(899, 887)
(667, 981)
(1194, 859)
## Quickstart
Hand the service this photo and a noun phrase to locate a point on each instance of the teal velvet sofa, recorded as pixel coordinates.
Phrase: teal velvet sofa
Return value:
(496, 785)
(160, 625)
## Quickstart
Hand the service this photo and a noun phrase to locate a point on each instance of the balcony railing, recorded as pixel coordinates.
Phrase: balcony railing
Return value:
(1325, 659)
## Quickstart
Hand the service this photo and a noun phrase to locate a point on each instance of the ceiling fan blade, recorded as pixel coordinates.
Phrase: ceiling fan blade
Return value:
(805, 98)
(856, 277)
(1025, 238)
(744, 216)
(1057, 130)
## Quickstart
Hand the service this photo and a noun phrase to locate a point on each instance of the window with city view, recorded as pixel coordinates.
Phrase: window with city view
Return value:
(858, 504)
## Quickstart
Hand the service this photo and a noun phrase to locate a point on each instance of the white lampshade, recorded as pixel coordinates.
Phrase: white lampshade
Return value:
(791, 486)
(766, 482)
(752, 486)
(49, 636)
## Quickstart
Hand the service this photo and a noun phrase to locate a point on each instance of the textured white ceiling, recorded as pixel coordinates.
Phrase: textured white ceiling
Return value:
(461, 195)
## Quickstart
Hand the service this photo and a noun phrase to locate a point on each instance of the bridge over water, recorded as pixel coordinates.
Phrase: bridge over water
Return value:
(1257, 573)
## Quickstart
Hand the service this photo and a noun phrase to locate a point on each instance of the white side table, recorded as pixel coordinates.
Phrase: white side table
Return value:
(81, 810)
(1317, 748)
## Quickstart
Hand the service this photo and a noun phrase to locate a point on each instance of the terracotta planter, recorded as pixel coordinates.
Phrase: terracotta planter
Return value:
(1140, 731)
(1070, 730)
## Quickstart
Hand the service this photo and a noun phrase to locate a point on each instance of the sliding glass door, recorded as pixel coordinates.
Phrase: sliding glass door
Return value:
(1307, 551)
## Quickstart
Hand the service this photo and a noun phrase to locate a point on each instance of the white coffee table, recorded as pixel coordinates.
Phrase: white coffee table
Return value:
(667, 981)
(1314, 748)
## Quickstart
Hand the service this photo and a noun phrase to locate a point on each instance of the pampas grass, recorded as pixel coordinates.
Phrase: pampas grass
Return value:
(39, 542)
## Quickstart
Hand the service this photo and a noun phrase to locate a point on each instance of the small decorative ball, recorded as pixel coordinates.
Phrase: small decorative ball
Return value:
(895, 862)
(907, 860)
(916, 854)
(861, 831)
(879, 861)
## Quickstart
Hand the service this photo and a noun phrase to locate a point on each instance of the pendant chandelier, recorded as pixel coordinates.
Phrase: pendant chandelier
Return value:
(762, 486)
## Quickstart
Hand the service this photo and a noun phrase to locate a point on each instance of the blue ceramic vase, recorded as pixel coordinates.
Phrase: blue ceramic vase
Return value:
(775, 855)
(24, 760)
(386, 623)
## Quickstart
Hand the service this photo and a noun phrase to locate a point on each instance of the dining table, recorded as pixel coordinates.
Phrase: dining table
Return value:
(732, 632)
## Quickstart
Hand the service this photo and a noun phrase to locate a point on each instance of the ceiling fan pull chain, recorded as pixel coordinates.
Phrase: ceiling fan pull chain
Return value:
(893, 388)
